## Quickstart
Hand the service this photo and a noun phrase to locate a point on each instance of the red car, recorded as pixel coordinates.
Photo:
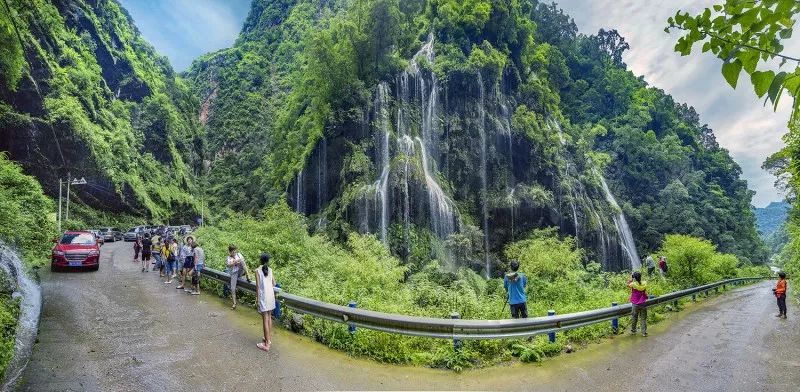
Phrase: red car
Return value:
(78, 249)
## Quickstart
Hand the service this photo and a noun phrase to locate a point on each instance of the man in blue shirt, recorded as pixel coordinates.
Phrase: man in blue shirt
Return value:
(515, 283)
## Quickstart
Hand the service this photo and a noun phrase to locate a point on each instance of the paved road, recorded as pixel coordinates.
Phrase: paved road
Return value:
(121, 330)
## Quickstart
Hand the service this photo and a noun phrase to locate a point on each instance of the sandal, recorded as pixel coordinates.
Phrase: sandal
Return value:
(262, 346)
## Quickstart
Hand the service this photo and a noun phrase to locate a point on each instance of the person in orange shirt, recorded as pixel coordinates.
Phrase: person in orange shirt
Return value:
(780, 293)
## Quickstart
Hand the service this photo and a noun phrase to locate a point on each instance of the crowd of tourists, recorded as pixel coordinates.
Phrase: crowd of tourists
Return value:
(178, 260)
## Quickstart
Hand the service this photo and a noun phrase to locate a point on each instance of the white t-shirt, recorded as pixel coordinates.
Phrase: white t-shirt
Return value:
(235, 262)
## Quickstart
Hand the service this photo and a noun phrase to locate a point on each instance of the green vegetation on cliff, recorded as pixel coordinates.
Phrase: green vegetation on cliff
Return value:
(83, 93)
(293, 112)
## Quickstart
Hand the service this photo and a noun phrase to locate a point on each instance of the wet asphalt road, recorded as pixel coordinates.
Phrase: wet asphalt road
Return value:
(119, 329)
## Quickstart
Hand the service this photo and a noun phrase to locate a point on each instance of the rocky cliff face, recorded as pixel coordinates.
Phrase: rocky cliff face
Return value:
(445, 164)
(451, 174)
(94, 100)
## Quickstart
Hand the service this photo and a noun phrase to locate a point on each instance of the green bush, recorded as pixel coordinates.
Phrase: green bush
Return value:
(363, 270)
(694, 261)
(27, 216)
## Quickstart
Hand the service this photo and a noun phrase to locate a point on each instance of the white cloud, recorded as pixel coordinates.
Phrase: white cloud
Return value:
(748, 130)
(183, 30)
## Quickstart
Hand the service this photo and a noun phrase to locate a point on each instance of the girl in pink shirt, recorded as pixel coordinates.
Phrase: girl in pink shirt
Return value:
(638, 298)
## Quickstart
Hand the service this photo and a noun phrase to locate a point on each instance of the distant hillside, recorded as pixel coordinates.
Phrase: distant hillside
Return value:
(771, 218)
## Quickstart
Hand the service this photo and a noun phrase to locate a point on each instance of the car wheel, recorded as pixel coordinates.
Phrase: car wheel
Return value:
(95, 268)
(52, 268)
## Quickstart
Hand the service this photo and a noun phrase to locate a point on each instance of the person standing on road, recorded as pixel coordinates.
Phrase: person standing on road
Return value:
(187, 265)
(515, 283)
(147, 251)
(172, 254)
(199, 263)
(238, 268)
(638, 297)
(780, 294)
(137, 246)
(157, 252)
(265, 293)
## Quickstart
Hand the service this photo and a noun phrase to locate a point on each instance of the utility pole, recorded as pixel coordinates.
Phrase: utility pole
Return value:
(59, 205)
(69, 180)
(75, 181)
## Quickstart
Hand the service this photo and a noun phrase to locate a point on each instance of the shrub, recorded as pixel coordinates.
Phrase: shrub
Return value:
(27, 217)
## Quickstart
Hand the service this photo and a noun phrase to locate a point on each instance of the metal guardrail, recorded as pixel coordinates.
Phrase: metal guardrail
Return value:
(458, 329)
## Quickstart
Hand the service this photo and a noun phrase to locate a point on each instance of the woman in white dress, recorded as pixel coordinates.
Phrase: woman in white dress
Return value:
(265, 292)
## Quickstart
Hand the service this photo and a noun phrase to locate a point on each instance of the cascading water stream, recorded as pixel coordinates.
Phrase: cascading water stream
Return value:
(300, 204)
(30, 308)
(407, 148)
(625, 234)
(484, 190)
(442, 212)
(322, 181)
(382, 184)
(441, 208)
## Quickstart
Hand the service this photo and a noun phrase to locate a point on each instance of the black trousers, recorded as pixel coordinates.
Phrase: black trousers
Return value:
(782, 304)
(519, 310)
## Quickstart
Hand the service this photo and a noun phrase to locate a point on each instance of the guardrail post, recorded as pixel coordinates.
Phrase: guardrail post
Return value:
(716, 289)
(614, 321)
(694, 297)
(276, 313)
(456, 342)
(706, 292)
(551, 335)
(675, 305)
(351, 327)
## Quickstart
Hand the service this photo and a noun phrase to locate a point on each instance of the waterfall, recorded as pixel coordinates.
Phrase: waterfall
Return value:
(624, 231)
(575, 220)
(407, 148)
(322, 181)
(299, 202)
(484, 191)
(512, 203)
(441, 209)
(30, 308)
(382, 184)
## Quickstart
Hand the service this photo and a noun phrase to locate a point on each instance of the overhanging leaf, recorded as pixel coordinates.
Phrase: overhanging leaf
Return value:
(731, 70)
(761, 81)
(776, 86)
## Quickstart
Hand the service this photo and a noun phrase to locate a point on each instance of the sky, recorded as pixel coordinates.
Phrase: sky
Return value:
(741, 123)
(185, 29)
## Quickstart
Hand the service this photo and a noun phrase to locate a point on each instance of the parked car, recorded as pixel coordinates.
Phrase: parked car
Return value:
(132, 234)
(76, 249)
(111, 234)
(99, 238)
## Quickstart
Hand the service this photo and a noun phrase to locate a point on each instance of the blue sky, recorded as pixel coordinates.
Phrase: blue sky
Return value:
(185, 29)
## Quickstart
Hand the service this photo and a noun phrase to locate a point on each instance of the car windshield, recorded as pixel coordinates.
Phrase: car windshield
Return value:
(78, 239)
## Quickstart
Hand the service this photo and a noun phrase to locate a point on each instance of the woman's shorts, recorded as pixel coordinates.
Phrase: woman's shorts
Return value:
(188, 263)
